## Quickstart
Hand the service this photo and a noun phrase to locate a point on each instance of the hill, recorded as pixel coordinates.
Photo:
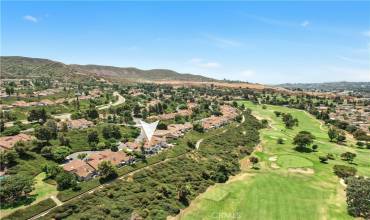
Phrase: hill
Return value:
(25, 67)
(15, 67)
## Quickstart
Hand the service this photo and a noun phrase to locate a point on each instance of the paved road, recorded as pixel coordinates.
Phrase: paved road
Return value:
(120, 100)
(63, 117)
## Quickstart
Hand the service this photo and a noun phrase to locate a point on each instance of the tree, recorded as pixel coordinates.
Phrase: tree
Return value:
(53, 128)
(9, 90)
(264, 123)
(343, 171)
(92, 113)
(162, 126)
(330, 156)
(277, 113)
(289, 121)
(111, 131)
(13, 188)
(348, 156)
(303, 139)
(38, 115)
(183, 191)
(52, 170)
(93, 138)
(8, 158)
(341, 137)
(315, 147)
(65, 180)
(333, 134)
(323, 159)
(198, 127)
(280, 141)
(2, 125)
(82, 156)
(60, 153)
(254, 161)
(44, 134)
(64, 141)
(191, 144)
(107, 170)
(358, 194)
(21, 148)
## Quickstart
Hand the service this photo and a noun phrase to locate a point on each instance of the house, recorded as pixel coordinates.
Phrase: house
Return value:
(21, 104)
(6, 143)
(154, 145)
(80, 168)
(228, 113)
(79, 123)
(173, 131)
(116, 158)
(132, 145)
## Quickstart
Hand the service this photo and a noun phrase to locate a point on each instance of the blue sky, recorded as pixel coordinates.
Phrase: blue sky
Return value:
(265, 42)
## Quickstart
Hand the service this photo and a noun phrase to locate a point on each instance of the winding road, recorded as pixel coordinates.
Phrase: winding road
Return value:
(120, 100)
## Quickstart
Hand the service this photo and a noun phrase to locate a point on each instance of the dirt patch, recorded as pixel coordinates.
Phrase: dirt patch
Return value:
(259, 148)
(301, 170)
(245, 164)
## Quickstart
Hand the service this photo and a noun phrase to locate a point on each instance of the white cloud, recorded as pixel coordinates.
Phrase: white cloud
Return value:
(204, 64)
(305, 23)
(366, 33)
(30, 18)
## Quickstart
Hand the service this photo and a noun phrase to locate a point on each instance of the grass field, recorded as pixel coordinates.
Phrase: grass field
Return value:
(277, 190)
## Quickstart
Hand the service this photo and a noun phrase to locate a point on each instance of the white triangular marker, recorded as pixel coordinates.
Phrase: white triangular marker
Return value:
(149, 128)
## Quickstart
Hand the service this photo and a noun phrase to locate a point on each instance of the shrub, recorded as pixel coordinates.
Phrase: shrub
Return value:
(343, 171)
(280, 141)
(323, 159)
(330, 156)
(358, 194)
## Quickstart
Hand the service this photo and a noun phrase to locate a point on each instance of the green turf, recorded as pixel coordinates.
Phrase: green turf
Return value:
(41, 191)
(270, 193)
(292, 161)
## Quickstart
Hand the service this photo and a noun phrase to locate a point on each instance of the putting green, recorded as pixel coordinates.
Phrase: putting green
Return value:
(291, 161)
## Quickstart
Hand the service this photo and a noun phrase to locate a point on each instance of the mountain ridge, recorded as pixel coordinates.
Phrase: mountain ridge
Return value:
(20, 67)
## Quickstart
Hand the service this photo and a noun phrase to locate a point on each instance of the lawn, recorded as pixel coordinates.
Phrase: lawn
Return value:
(42, 190)
(275, 191)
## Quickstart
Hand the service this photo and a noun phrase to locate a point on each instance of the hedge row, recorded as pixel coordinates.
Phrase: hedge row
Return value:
(31, 210)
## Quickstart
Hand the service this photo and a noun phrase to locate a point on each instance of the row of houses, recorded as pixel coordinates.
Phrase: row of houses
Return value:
(357, 115)
(160, 138)
(88, 168)
(228, 113)
(46, 102)
(76, 124)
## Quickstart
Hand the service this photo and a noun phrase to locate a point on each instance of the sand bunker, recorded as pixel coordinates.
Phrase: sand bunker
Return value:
(301, 170)
(273, 158)
(274, 166)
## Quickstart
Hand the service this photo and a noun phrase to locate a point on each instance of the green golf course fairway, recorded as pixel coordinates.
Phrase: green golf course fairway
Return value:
(281, 189)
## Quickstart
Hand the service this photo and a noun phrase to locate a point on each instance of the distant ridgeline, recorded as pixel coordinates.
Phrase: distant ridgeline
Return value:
(16, 67)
